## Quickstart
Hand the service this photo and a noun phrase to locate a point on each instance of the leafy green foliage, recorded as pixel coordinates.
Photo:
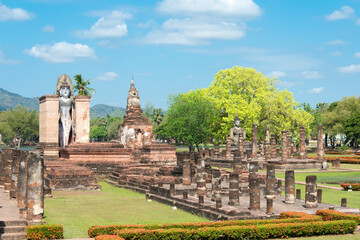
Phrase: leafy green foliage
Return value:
(106, 128)
(82, 87)
(352, 129)
(330, 215)
(37, 232)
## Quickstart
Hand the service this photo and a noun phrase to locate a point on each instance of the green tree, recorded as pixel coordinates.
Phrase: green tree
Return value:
(352, 130)
(99, 133)
(157, 116)
(19, 123)
(82, 87)
(189, 118)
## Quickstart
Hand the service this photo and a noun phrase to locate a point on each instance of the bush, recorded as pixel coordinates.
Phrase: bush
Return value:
(109, 237)
(103, 230)
(354, 186)
(35, 232)
(330, 215)
(244, 232)
(285, 215)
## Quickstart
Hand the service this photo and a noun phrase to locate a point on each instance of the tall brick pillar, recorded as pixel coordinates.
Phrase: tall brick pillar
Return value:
(289, 187)
(273, 146)
(201, 182)
(234, 190)
(284, 151)
(49, 126)
(288, 144)
(311, 192)
(215, 183)
(254, 141)
(82, 118)
(22, 180)
(186, 172)
(270, 188)
(15, 172)
(254, 186)
(2, 169)
(320, 144)
(236, 164)
(241, 146)
(7, 158)
(302, 143)
(267, 144)
(228, 147)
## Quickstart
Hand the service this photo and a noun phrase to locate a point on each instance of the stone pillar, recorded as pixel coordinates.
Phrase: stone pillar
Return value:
(261, 147)
(302, 143)
(186, 172)
(273, 146)
(34, 187)
(228, 147)
(320, 144)
(49, 126)
(241, 146)
(185, 195)
(336, 163)
(270, 188)
(201, 152)
(311, 192)
(172, 189)
(343, 202)
(82, 118)
(298, 194)
(234, 190)
(215, 183)
(288, 144)
(254, 187)
(217, 150)
(212, 153)
(319, 195)
(7, 156)
(289, 187)
(2, 170)
(206, 153)
(267, 144)
(284, 152)
(201, 182)
(22, 180)
(254, 141)
(279, 187)
(236, 164)
(15, 172)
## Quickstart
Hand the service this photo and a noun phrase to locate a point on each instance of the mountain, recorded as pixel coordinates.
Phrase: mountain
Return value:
(100, 110)
(9, 100)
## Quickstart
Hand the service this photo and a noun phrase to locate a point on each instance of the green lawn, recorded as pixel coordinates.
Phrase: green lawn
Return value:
(328, 177)
(77, 211)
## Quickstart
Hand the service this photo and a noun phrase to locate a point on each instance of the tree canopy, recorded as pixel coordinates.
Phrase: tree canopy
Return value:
(82, 87)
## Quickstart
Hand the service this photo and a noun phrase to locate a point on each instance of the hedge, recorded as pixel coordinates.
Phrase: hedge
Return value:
(35, 232)
(109, 237)
(110, 230)
(329, 215)
(282, 230)
(352, 160)
(354, 186)
(292, 214)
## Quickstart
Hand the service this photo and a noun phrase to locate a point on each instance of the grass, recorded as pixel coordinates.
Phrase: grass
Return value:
(328, 177)
(77, 211)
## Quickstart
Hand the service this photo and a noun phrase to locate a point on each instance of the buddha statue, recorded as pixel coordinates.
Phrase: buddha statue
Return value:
(66, 120)
(236, 132)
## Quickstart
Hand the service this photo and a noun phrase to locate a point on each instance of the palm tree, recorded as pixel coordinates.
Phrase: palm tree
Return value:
(157, 115)
(82, 87)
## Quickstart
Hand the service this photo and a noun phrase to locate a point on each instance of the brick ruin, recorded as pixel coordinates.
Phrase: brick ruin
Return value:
(21, 176)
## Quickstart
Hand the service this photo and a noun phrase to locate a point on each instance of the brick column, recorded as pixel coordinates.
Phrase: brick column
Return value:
(270, 188)
(217, 150)
(34, 187)
(254, 141)
(82, 118)
(201, 152)
(228, 147)
(267, 144)
(234, 190)
(215, 183)
(201, 182)
(7, 156)
(320, 144)
(241, 146)
(288, 144)
(15, 172)
(289, 187)
(2, 170)
(284, 152)
(212, 153)
(22, 180)
(302, 143)
(254, 187)
(311, 192)
(273, 146)
(206, 152)
(186, 172)
(236, 164)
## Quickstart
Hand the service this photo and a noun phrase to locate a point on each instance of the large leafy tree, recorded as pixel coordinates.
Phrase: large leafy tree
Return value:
(82, 87)
(19, 123)
(190, 118)
(352, 130)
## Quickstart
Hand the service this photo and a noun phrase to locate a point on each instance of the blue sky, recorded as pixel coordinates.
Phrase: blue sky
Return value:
(174, 46)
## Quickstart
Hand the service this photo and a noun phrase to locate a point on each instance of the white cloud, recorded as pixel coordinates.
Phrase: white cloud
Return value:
(344, 13)
(337, 53)
(358, 22)
(243, 9)
(148, 23)
(350, 69)
(316, 90)
(109, 26)
(61, 52)
(6, 61)
(276, 74)
(336, 42)
(15, 14)
(311, 75)
(194, 31)
(48, 28)
(357, 55)
(108, 76)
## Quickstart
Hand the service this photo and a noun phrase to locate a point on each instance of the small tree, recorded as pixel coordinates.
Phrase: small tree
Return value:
(352, 130)
(82, 87)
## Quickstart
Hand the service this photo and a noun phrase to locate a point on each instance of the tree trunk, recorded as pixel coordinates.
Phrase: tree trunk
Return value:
(19, 143)
(326, 140)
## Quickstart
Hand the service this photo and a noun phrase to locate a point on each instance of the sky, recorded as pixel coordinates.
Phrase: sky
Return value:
(174, 46)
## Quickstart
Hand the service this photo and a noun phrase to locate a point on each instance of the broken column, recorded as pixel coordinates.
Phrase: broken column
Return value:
(270, 188)
(206, 152)
(2, 170)
(212, 153)
(241, 145)
(217, 150)
(34, 186)
(311, 192)
(14, 173)
(186, 172)
(22, 180)
(234, 189)
(201, 182)
(254, 186)
(284, 152)
(267, 144)
(273, 146)
(302, 143)
(319, 195)
(236, 164)
(254, 141)
(215, 183)
(289, 187)
(320, 144)
(7, 156)
(288, 139)
(228, 147)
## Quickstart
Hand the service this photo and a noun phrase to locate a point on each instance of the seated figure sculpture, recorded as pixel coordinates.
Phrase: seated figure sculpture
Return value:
(236, 132)
(66, 107)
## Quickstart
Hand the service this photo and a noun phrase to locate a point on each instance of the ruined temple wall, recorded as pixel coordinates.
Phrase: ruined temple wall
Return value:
(82, 119)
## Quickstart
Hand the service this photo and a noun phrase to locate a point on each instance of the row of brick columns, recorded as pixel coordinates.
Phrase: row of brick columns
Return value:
(21, 175)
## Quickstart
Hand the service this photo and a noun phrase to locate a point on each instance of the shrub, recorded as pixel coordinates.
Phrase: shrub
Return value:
(330, 215)
(354, 186)
(109, 237)
(102, 230)
(285, 215)
(35, 232)
(265, 231)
